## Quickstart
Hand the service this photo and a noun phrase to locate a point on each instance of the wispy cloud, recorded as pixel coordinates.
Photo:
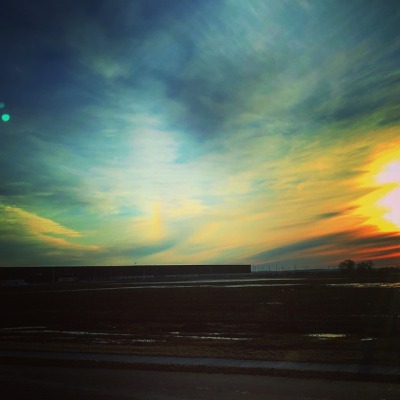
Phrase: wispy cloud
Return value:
(39, 228)
(20, 228)
(200, 132)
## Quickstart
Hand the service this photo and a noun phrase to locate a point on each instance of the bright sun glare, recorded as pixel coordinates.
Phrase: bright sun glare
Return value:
(381, 207)
(391, 202)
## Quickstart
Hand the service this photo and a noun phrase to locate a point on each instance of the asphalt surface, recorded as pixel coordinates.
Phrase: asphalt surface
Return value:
(19, 382)
(355, 370)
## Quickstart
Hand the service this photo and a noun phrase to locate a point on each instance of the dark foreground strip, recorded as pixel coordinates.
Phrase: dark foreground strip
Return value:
(365, 373)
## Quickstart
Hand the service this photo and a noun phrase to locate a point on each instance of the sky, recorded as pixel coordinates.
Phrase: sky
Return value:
(190, 132)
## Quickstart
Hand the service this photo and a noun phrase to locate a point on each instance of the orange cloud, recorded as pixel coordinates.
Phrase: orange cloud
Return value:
(43, 229)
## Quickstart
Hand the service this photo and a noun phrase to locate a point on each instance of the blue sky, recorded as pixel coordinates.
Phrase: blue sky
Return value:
(159, 132)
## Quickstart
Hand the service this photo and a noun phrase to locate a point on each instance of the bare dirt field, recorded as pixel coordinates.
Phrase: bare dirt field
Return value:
(295, 319)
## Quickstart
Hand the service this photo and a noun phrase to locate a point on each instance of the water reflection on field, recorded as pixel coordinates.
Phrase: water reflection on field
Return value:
(326, 336)
(116, 337)
(395, 285)
(215, 284)
(207, 336)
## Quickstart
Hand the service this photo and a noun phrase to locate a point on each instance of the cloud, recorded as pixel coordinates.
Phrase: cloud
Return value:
(334, 214)
(21, 225)
(175, 131)
(364, 243)
(29, 239)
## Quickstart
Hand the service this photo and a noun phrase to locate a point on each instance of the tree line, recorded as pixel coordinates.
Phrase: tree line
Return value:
(350, 266)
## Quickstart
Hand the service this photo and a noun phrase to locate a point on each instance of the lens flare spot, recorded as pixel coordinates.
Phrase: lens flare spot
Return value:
(5, 117)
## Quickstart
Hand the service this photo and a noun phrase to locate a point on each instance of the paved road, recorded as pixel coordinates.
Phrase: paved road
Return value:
(35, 382)
(125, 359)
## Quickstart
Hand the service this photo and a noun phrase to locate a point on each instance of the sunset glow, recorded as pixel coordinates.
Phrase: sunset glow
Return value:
(200, 132)
(381, 207)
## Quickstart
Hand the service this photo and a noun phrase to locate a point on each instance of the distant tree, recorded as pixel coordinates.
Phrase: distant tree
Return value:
(347, 266)
(365, 266)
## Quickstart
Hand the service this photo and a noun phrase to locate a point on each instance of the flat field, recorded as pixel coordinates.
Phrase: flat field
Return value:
(296, 319)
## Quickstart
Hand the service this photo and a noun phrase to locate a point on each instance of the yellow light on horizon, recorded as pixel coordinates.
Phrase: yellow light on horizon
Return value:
(157, 222)
(391, 202)
(381, 207)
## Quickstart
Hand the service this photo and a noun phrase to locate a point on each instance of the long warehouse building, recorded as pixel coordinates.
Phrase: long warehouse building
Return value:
(102, 273)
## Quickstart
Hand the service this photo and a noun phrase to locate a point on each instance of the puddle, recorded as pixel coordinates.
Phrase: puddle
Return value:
(125, 341)
(72, 333)
(384, 285)
(178, 286)
(122, 338)
(22, 328)
(96, 337)
(207, 336)
(326, 336)
(210, 337)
